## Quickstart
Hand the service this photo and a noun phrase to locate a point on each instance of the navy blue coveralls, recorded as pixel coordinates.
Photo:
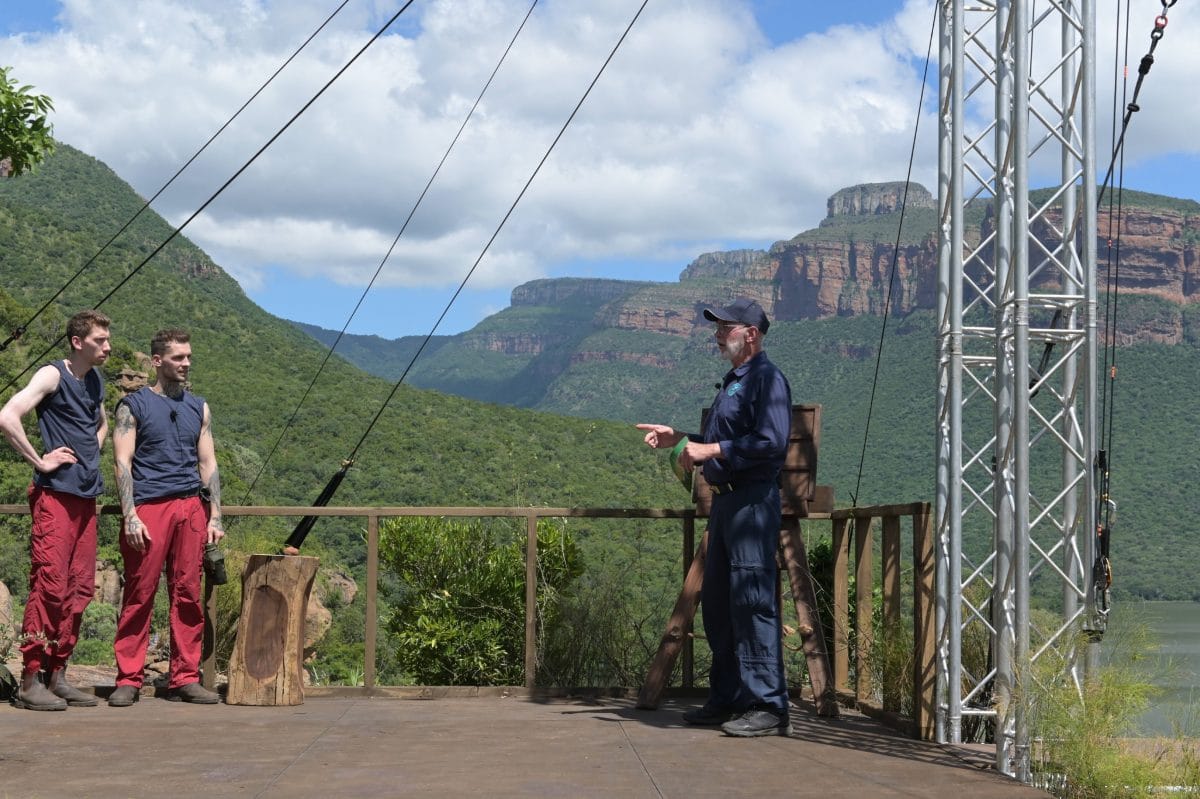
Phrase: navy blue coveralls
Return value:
(751, 419)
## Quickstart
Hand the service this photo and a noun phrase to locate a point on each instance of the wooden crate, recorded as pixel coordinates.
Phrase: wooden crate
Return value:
(798, 478)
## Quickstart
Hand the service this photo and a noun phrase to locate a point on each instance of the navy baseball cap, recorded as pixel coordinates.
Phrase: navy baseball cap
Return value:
(743, 311)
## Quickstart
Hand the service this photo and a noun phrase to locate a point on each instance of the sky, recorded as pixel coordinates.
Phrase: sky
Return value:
(718, 124)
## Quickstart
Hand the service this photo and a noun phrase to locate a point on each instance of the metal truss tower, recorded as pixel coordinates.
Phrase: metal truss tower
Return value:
(1016, 490)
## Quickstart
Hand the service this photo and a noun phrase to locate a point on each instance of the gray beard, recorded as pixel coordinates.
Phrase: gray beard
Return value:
(732, 350)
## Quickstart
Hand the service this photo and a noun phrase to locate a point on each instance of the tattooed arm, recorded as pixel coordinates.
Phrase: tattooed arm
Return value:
(210, 477)
(124, 440)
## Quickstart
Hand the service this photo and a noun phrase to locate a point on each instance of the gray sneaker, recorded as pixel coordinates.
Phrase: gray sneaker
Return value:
(754, 723)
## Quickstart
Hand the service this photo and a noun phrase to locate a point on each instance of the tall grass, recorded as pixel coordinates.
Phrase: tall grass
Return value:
(1084, 727)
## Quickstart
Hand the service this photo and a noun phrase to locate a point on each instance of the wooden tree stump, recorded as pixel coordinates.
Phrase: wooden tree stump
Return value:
(267, 663)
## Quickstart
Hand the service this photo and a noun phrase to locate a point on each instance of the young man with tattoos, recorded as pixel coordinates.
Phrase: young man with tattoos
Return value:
(166, 469)
(68, 395)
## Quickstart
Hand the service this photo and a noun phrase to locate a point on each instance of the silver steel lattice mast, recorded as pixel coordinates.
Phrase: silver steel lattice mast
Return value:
(1016, 494)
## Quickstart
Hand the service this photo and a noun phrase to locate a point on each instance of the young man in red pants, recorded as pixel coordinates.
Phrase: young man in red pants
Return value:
(69, 398)
(170, 494)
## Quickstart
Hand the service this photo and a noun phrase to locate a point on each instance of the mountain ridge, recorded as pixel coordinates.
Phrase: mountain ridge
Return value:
(842, 268)
(611, 352)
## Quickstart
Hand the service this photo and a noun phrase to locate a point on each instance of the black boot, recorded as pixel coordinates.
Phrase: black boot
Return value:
(32, 695)
(56, 681)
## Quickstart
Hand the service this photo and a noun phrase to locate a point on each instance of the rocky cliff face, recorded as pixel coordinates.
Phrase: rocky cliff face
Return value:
(843, 268)
(873, 199)
(573, 290)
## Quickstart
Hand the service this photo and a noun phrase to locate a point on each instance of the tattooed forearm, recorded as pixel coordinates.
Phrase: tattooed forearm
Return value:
(125, 489)
(124, 444)
(213, 486)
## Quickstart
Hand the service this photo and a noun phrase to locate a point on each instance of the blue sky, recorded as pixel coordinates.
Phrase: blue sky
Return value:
(719, 124)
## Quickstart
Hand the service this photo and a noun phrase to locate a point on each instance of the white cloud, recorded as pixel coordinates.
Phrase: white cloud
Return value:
(699, 130)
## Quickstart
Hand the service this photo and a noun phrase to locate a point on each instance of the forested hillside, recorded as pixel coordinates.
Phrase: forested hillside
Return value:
(427, 448)
(591, 366)
(589, 376)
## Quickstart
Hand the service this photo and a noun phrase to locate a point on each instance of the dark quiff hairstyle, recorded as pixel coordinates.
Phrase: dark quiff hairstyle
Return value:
(81, 324)
(170, 335)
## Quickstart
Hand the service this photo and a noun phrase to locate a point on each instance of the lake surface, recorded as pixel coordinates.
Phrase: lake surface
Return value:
(1174, 667)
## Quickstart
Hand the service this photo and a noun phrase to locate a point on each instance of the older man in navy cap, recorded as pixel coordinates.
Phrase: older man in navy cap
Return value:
(741, 451)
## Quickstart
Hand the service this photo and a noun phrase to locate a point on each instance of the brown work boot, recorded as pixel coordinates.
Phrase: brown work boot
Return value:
(124, 696)
(193, 692)
(56, 681)
(32, 695)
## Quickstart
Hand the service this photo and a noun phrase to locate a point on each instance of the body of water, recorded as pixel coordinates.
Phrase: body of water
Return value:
(1173, 663)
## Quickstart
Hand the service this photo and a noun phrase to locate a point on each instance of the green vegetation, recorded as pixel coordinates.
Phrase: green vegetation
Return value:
(1083, 748)
(458, 606)
(427, 448)
(832, 362)
(570, 443)
(919, 225)
(25, 135)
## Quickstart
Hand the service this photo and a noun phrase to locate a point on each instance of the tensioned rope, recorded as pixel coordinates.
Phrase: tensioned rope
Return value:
(387, 255)
(296, 539)
(230, 181)
(20, 329)
(1105, 521)
(1105, 510)
(912, 153)
(1156, 34)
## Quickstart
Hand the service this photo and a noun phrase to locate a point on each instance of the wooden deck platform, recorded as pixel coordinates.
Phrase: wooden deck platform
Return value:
(484, 746)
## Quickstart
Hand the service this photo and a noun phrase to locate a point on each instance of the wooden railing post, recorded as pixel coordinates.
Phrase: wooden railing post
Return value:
(689, 647)
(371, 633)
(531, 557)
(892, 601)
(808, 620)
(841, 605)
(924, 633)
(864, 579)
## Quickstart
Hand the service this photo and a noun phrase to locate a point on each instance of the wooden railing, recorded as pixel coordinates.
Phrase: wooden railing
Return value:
(863, 518)
(923, 685)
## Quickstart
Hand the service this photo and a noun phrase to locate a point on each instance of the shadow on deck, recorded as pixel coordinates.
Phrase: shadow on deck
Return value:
(380, 747)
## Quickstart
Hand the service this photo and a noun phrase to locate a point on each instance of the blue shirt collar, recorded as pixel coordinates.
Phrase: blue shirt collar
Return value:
(740, 371)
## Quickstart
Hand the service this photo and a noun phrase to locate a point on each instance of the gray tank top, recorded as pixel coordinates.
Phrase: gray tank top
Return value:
(70, 417)
(165, 460)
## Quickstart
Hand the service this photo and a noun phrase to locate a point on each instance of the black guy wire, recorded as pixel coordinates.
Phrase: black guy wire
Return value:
(499, 227)
(895, 258)
(1113, 275)
(20, 330)
(388, 255)
(1112, 278)
(230, 181)
(1160, 27)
